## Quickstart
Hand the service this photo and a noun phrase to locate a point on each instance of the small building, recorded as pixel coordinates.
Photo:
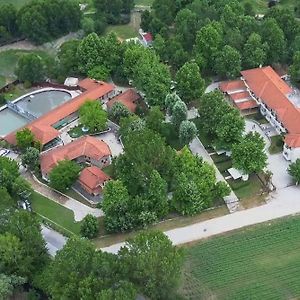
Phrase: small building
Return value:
(83, 150)
(92, 180)
(129, 98)
(146, 38)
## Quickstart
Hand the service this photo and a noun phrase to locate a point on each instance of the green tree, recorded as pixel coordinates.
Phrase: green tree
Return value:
(212, 108)
(88, 25)
(294, 170)
(170, 100)
(273, 35)
(254, 53)
(294, 69)
(179, 113)
(160, 47)
(228, 62)
(6, 202)
(118, 111)
(187, 132)
(157, 195)
(249, 155)
(26, 228)
(153, 264)
(8, 284)
(31, 67)
(21, 188)
(9, 171)
(155, 119)
(190, 85)
(30, 158)
(68, 58)
(93, 116)
(8, 19)
(64, 174)
(99, 73)
(25, 139)
(115, 205)
(89, 227)
(230, 129)
(208, 44)
(131, 124)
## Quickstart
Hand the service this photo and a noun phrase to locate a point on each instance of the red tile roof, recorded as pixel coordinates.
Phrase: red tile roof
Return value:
(239, 96)
(42, 127)
(267, 85)
(128, 98)
(86, 146)
(229, 86)
(246, 105)
(292, 140)
(93, 179)
(148, 37)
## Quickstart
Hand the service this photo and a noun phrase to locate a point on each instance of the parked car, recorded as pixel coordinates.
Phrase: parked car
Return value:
(4, 152)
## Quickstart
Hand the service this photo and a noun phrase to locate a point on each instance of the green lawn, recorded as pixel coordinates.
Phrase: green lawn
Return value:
(8, 62)
(123, 31)
(261, 6)
(258, 117)
(260, 262)
(144, 2)
(57, 213)
(276, 144)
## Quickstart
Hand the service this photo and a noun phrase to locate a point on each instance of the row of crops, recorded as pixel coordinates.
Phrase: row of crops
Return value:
(261, 262)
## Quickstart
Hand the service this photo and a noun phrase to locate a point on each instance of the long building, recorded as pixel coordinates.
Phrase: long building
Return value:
(45, 128)
(277, 101)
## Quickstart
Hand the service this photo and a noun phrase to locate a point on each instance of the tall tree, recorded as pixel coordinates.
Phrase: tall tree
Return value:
(179, 113)
(187, 132)
(93, 116)
(89, 227)
(9, 171)
(64, 175)
(294, 69)
(228, 62)
(190, 85)
(249, 155)
(30, 158)
(153, 264)
(31, 67)
(254, 53)
(294, 170)
(25, 139)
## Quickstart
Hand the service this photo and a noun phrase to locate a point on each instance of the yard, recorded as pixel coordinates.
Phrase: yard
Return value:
(17, 3)
(123, 31)
(261, 6)
(276, 144)
(260, 262)
(51, 211)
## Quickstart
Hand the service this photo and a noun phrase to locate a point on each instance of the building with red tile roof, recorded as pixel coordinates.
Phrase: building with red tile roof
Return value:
(92, 180)
(276, 100)
(45, 127)
(128, 98)
(85, 149)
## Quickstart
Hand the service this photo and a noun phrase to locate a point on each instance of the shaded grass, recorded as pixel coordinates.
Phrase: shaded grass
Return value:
(259, 262)
(143, 2)
(276, 144)
(122, 31)
(57, 213)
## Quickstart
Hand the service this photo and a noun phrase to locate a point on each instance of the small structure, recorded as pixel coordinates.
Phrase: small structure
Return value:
(129, 98)
(71, 81)
(236, 174)
(92, 180)
(146, 38)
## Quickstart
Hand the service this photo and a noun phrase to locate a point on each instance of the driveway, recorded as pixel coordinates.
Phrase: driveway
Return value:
(54, 240)
(112, 141)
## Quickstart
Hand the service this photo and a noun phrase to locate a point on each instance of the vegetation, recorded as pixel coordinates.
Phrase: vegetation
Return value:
(89, 227)
(93, 117)
(63, 175)
(294, 170)
(30, 159)
(25, 139)
(268, 252)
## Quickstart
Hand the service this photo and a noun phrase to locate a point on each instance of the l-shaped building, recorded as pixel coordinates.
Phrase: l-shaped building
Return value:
(277, 102)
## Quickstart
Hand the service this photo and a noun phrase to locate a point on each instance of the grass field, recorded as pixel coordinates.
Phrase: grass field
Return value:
(123, 31)
(261, 262)
(8, 62)
(55, 212)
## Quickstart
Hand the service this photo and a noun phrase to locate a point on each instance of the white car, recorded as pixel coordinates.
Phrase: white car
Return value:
(4, 152)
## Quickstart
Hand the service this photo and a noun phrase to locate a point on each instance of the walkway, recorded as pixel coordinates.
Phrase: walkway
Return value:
(284, 202)
(54, 240)
(232, 200)
(80, 210)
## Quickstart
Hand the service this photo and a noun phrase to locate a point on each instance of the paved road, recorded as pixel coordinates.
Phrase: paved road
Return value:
(284, 202)
(55, 241)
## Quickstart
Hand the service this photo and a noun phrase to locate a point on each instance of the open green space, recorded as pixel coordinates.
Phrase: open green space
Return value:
(258, 117)
(143, 2)
(56, 213)
(259, 262)
(276, 144)
(8, 62)
(17, 3)
(122, 31)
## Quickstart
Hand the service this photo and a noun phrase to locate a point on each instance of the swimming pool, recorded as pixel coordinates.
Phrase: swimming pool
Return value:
(37, 104)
